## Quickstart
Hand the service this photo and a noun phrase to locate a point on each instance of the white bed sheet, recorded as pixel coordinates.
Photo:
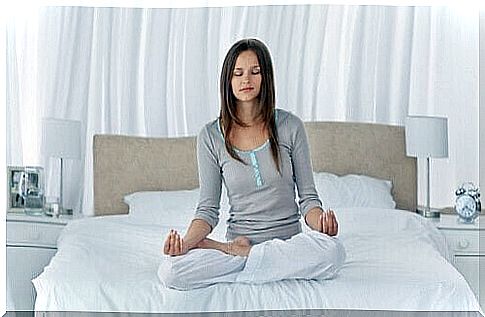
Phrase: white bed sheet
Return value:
(396, 260)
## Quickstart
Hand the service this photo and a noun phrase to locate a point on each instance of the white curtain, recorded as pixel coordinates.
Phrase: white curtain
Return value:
(154, 72)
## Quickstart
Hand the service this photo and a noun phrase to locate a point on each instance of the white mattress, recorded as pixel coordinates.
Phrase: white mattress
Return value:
(396, 260)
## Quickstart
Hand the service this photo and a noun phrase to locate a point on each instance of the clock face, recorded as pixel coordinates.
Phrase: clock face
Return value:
(465, 206)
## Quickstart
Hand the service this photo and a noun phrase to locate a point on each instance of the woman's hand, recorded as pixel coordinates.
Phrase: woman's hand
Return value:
(322, 221)
(174, 244)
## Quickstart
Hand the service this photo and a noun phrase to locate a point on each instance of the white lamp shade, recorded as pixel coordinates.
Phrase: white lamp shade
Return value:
(61, 138)
(426, 136)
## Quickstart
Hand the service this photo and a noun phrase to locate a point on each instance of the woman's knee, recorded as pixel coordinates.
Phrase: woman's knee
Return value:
(333, 251)
(171, 276)
(338, 252)
(333, 259)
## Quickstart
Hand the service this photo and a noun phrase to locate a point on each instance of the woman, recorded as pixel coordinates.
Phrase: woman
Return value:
(260, 153)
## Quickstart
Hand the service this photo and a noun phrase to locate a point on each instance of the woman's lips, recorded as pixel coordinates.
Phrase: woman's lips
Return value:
(247, 89)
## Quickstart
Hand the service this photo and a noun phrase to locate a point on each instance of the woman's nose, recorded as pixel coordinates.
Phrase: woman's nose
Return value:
(245, 77)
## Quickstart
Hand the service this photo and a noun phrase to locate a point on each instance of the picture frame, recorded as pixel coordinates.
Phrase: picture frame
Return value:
(25, 189)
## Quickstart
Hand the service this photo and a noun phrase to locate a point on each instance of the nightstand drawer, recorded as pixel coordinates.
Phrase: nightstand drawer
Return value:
(462, 241)
(32, 234)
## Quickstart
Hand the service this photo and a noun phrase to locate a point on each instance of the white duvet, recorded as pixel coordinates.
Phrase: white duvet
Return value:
(396, 260)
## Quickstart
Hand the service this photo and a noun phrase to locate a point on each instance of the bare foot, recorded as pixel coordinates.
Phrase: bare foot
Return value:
(240, 246)
(241, 240)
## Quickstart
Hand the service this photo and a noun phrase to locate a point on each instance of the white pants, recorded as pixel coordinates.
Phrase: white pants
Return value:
(310, 255)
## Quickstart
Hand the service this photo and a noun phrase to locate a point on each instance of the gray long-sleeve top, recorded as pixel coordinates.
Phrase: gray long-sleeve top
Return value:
(262, 203)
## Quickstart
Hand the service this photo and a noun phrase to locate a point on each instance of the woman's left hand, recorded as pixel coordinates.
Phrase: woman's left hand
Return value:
(322, 221)
(329, 224)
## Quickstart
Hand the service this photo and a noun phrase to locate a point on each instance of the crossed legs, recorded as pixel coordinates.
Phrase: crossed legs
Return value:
(310, 255)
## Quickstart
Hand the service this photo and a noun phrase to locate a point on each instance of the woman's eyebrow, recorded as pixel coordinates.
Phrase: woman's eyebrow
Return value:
(254, 66)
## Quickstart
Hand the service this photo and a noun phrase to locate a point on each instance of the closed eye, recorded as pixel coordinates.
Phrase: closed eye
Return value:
(239, 71)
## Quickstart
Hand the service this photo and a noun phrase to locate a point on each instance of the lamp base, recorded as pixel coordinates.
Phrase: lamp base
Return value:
(428, 212)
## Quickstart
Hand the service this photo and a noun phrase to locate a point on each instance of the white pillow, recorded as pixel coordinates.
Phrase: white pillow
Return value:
(163, 207)
(353, 191)
(175, 208)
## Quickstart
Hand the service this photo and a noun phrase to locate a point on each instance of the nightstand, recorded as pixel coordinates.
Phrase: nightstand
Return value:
(467, 245)
(31, 243)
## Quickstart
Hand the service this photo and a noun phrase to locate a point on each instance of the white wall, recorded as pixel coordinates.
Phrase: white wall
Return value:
(482, 99)
(482, 149)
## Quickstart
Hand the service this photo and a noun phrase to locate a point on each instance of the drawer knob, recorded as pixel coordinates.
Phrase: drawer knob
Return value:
(463, 244)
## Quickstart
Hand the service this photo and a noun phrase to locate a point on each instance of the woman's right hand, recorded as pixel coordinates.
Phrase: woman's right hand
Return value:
(174, 244)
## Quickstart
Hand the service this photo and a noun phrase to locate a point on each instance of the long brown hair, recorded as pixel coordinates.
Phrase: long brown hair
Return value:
(266, 97)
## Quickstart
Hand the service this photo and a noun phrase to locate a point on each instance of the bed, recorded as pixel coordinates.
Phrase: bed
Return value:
(397, 262)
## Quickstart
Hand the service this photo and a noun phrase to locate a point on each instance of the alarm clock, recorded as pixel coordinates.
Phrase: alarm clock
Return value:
(467, 203)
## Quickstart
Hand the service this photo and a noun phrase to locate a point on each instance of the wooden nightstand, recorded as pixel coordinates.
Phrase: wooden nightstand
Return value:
(467, 246)
(31, 243)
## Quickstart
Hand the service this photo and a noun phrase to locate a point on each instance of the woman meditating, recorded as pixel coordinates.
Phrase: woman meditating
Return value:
(260, 153)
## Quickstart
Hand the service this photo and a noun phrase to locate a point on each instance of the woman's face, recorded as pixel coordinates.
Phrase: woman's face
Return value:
(246, 77)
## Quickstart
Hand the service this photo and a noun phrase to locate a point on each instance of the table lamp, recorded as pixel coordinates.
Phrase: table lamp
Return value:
(427, 137)
(61, 139)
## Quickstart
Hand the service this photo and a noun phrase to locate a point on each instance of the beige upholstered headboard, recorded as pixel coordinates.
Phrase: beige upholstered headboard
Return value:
(126, 164)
